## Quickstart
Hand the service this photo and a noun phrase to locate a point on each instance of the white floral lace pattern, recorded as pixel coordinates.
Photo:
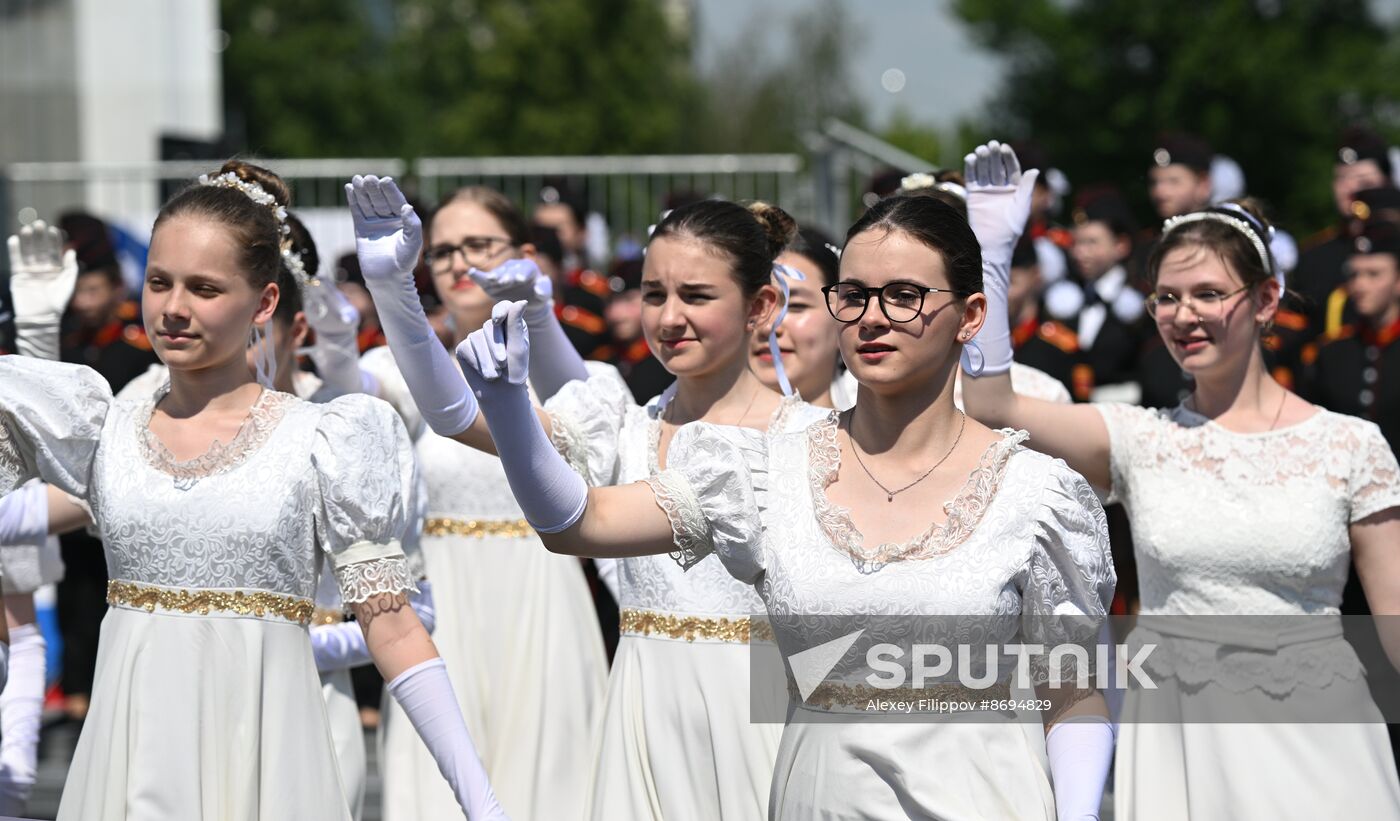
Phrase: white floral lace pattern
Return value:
(963, 512)
(362, 581)
(688, 524)
(263, 417)
(11, 466)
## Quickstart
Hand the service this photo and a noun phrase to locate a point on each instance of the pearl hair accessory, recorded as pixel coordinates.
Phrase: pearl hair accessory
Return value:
(1244, 223)
(253, 191)
(922, 181)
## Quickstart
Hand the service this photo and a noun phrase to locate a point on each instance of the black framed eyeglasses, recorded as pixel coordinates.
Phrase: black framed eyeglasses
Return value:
(475, 250)
(899, 301)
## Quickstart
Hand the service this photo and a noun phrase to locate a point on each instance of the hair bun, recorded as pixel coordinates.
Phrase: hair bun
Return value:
(778, 226)
(265, 179)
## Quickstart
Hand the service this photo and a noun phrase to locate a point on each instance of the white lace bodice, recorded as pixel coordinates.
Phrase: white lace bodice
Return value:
(611, 440)
(1239, 523)
(1025, 539)
(251, 513)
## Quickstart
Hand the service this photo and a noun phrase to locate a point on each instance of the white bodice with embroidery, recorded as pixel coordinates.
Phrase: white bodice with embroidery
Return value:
(1024, 539)
(1228, 522)
(250, 514)
(613, 441)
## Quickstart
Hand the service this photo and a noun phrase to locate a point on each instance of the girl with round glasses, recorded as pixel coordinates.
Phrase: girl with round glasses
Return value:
(834, 519)
(511, 617)
(676, 740)
(1243, 500)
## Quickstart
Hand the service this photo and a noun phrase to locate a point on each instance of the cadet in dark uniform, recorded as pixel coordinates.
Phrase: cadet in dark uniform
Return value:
(1098, 301)
(1362, 162)
(644, 373)
(1041, 343)
(1356, 368)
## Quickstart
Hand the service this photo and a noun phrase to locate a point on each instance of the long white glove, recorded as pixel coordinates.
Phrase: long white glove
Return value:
(21, 707)
(24, 516)
(998, 205)
(337, 349)
(1079, 751)
(554, 362)
(342, 646)
(496, 360)
(388, 239)
(425, 693)
(42, 279)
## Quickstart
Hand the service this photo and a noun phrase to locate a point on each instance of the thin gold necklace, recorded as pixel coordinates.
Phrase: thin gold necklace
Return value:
(668, 414)
(890, 494)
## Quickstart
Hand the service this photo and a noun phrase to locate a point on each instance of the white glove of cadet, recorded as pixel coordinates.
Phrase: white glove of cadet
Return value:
(42, 279)
(425, 693)
(388, 240)
(337, 349)
(1079, 751)
(998, 205)
(495, 360)
(555, 362)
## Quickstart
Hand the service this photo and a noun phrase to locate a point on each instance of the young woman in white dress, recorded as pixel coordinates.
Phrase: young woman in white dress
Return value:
(833, 520)
(676, 739)
(215, 499)
(1244, 500)
(512, 618)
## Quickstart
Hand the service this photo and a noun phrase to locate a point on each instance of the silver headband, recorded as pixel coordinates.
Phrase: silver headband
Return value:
(1241, 224)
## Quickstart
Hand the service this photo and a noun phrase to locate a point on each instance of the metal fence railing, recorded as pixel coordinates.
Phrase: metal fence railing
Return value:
(628, 192)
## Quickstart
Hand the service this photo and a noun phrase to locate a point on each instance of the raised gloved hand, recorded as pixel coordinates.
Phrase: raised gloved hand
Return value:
(495, 360)
(42, 279)
(998, 198)
(556, 362)
(337, 350)
(515, 280)
(388, 240)
(998, 205)
(497, 353)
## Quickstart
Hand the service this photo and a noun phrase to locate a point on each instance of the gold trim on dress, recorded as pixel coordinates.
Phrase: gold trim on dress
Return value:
(718, 628)
(478, 528)
(830, 694)
(322, 616)
(260, 603)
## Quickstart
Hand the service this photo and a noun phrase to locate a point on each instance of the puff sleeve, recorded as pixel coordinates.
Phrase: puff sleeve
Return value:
(51, 416)
(1374, 484)
(586, 418)
(1067, 583)
(365, 477)
(711, 495)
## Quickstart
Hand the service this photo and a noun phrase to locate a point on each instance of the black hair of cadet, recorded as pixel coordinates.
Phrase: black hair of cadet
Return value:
(751, 235)
(546, 242)
(935, 224)
(817, 247)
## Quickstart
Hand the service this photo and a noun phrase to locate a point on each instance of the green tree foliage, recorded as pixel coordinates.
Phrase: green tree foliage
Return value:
(455, 77)
(1269, 82)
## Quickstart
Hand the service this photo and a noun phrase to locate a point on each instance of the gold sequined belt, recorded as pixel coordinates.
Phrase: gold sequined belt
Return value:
(737, 629)
(327, 615)
(259, 603)
(478, 528)
(831, 695)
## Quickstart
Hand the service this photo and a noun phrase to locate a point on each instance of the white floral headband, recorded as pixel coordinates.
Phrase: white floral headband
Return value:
(923, 181)
(292, 260)
(1245, 223)
(254, 192)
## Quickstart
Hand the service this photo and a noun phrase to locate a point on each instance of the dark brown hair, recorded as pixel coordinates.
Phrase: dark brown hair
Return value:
(1224, 240)
(933, 223)
(496, 204)
(254, 227)
(750, 235)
